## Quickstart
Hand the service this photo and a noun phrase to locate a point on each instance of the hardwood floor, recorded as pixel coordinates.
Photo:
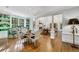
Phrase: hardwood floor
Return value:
(45, 44)
(6, 43)
(50, 45)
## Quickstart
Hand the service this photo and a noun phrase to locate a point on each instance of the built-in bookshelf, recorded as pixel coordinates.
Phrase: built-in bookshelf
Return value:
(14, 22)
(4, 22)
(8, 22)
(28, 23)
(21, 22)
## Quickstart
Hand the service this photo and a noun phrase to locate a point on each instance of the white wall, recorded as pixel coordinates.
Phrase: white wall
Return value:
(36, 25)
(58, 20)
(68, 14)
(31, 23)
(46, 21)
(71, 13)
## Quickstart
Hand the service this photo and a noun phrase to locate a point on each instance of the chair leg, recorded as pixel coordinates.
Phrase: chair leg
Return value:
(35, 44)
(29, 41)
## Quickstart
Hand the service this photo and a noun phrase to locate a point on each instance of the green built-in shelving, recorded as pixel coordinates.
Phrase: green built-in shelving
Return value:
(28, 23)
(21, 22)
(14, 22)
(8, 21)
(4, 22)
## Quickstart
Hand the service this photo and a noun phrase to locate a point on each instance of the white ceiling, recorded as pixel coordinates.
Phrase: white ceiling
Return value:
(37, 11)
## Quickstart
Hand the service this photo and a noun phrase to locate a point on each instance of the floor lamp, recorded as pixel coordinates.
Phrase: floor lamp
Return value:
(73, 33)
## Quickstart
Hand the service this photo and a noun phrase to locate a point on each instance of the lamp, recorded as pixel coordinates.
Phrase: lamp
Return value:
(73, 33)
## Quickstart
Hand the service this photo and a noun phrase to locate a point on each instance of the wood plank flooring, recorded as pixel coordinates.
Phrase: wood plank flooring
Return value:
(50, 45)
(45, 44)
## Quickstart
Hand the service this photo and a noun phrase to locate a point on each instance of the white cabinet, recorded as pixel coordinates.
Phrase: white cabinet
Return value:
(3, 34)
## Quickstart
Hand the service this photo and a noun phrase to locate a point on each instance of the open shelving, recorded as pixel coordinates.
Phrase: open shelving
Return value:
(28, 23)
(14, 22)
(9, 22)
(21, 22)
(4, 22)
